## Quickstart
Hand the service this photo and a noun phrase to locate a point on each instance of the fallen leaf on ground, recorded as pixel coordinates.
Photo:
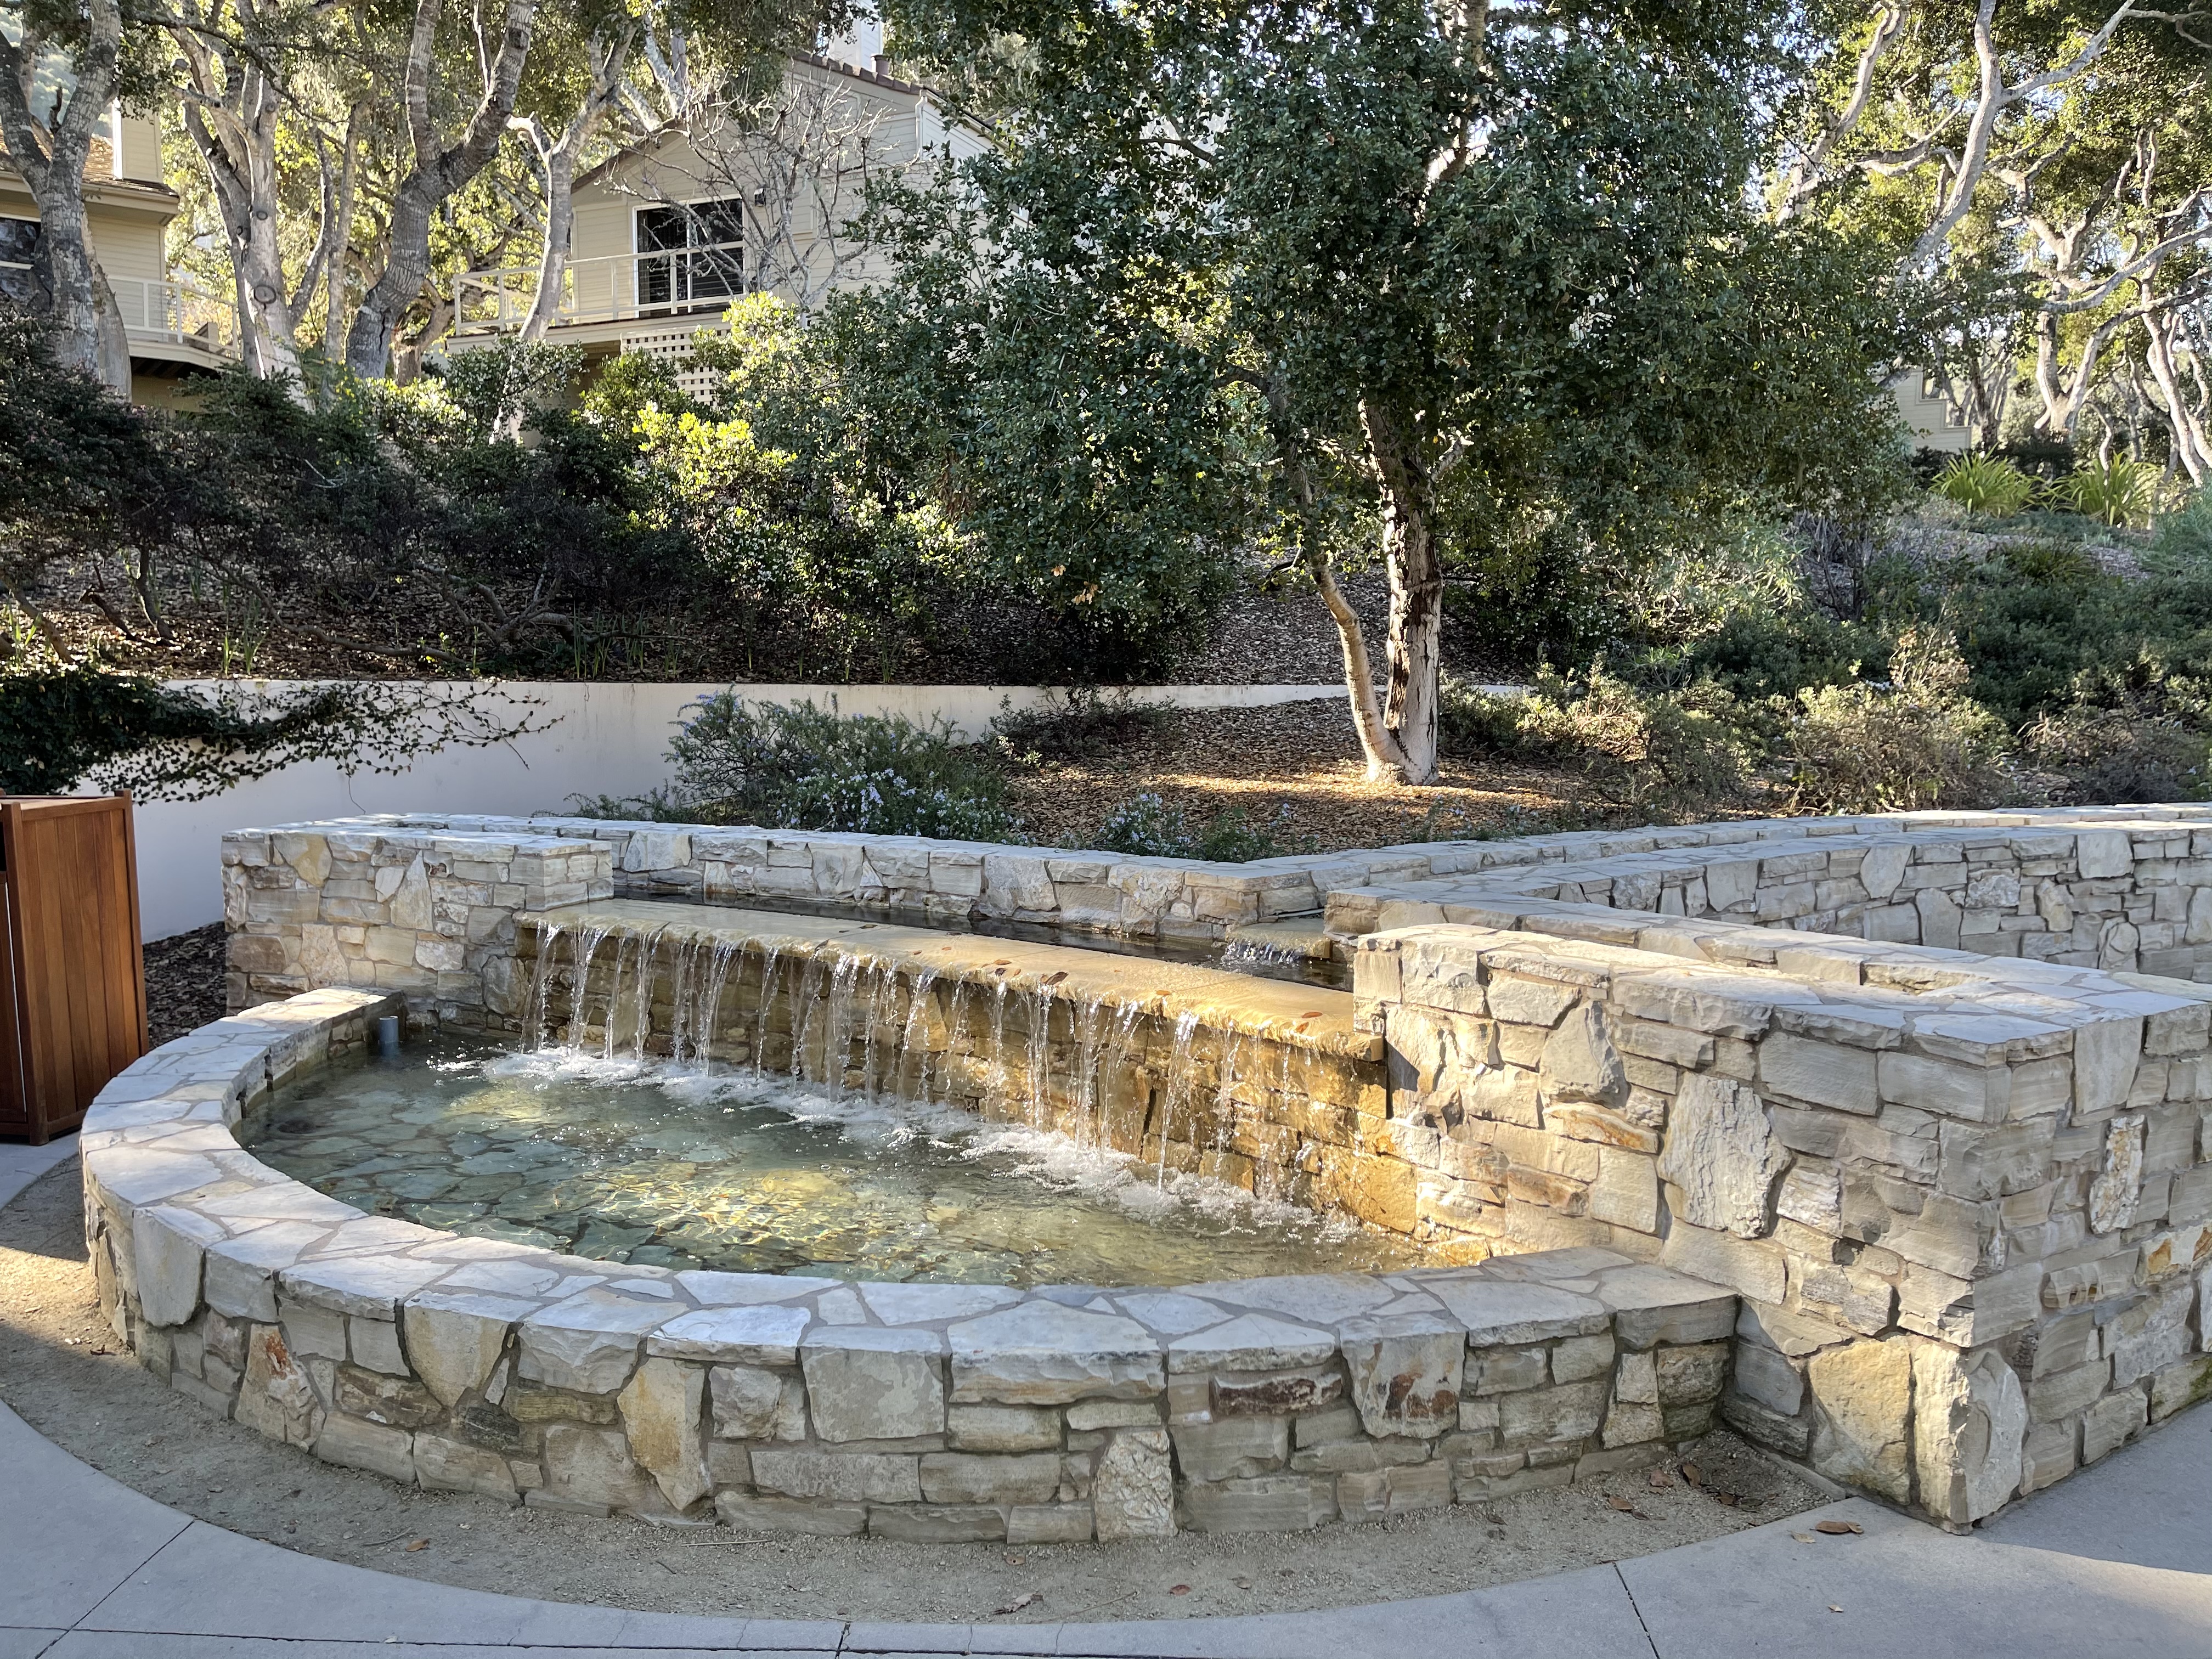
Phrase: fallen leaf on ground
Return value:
(1832, 1607)
(1837, 1529)
(1013, 1560)
(419, 1544)
(1178, 1589)
(1018, 1603)
(1622, 1504)
(1802, 1537)
(1661, 1479)
(1728, 1499)
(1690, 1474)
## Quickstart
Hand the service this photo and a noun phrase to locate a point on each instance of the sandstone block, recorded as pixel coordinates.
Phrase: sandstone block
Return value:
(169, 1245)
(1721, 1152)
(1969, 1421)
(1628, 1425)
(1686, 1374)
(2047, 1455)
(1579, 1357)
(1238, 1448)
(937, 1523)
(2180, 1385)
(848, 1477)
(1764, 1376)
(1048, 1524)
(1405, 1376)
(455, 1337)
(1274, 1502)
(355, 1444)
(1579, 1061)
(2113, 1421)
(1825, 1074)
(1041, 1353)
(752, 1513)
(590, 1342)
(1566, 1412)
(1133, 1493)
(660, 1408)
(1863, 1400)
(971, 1477)
(873, 1382)
(1384, 1494)
(444, 1465)
(1002, 1428)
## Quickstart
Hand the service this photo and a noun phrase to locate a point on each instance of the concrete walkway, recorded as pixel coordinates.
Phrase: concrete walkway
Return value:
(2117, 1560)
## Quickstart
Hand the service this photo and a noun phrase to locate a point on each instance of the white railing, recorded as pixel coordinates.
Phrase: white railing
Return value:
(179, 313)
(611, 288)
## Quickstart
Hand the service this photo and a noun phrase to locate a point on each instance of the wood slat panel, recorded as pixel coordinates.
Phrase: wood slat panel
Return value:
(80, 1002)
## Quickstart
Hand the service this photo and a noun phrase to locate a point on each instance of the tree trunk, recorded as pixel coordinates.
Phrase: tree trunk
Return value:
(88, 325)
(2192, 440)
(1416, 592)
(438, 173)
(608, 55)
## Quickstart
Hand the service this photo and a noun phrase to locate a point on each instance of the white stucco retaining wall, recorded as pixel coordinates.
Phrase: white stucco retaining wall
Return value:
(603, 739)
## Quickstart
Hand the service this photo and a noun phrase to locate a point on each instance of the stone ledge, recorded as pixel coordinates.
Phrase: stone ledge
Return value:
(477, 1364)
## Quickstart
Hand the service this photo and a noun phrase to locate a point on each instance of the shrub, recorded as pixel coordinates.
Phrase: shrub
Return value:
(1986, 484)
(1473, 721)
(2183, 539)
(797, 767)
(1918, 743)
(2115, 492)
(2107, 757)
(1078, 724)
(1145, 826)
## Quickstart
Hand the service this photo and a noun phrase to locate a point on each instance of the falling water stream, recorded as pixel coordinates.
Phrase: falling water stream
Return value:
(858, 1149)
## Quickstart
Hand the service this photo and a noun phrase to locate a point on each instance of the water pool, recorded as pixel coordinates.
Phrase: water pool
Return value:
(623, 1161)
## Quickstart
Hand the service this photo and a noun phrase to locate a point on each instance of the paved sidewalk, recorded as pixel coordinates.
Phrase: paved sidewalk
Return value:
(95, 1570)
(21, 1165)
(2116, 1560)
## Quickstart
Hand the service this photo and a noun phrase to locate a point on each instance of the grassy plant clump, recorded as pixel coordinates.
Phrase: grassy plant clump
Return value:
(1988, 485)
(2117, 493)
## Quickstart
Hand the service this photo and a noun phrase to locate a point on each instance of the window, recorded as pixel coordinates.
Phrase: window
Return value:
(19, 271)
(1928, 389)
(697, 254)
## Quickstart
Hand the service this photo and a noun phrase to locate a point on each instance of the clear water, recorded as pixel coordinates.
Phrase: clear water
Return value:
(620, 1162)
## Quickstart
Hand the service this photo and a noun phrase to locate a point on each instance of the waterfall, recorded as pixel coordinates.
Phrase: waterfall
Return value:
(1176, 1084)
(541, 985)
(586, 947)
(728, 951)
(761, 1012)
(913, 1037)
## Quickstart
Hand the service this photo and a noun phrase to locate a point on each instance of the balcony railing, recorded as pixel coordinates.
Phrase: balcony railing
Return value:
(175, 313)
(612, 287)
(179, 314)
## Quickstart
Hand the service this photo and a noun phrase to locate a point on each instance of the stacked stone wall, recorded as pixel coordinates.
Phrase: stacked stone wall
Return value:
(929, 1412)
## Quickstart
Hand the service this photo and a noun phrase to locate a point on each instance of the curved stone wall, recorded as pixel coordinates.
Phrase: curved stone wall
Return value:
(1931, 1093)
(934, 1412)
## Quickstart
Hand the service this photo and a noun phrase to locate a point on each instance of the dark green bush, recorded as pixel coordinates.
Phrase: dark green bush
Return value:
(1145, 826)
(798, 767)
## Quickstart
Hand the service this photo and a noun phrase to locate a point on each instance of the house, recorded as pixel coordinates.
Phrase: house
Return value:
(175, 330)
(672, 229)
(1937, 422)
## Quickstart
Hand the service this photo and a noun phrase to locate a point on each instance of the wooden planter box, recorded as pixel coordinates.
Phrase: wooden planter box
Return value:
(72, 982)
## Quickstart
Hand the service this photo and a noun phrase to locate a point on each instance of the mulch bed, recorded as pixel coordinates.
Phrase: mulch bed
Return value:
(1303, 758)
(184, 983)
